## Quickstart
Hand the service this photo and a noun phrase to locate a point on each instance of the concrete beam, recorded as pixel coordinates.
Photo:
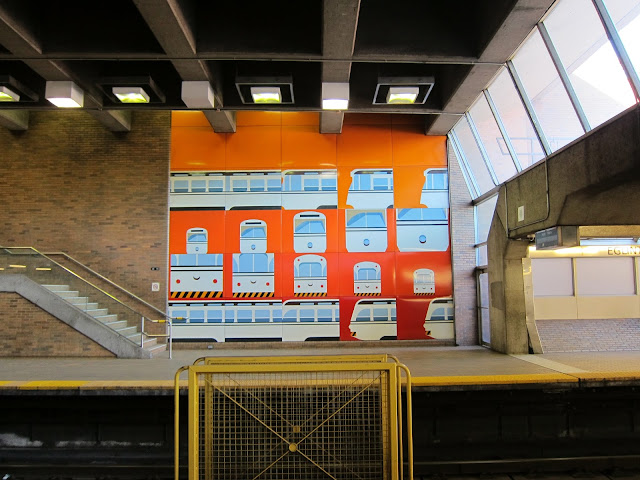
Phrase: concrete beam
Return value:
(339, 25)
(14, 119)
(223, 121)
(331, 122)
(588, 182)
(113, 120)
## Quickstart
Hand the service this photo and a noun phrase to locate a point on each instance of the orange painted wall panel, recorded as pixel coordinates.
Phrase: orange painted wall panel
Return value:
(197, 148)
(254, 148)
(364, 146)
(303, 147)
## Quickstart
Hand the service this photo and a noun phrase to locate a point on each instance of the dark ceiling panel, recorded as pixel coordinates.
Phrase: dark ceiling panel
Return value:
(279, 27)
(77, 26)
(416, 27)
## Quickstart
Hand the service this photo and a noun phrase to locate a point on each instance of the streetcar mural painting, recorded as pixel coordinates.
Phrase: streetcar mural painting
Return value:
(298, 236)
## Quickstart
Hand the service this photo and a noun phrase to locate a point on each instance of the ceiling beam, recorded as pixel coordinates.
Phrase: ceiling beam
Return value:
(20, 40)
(522, 18)
(339, 25)
(14, 119)
(169, 20)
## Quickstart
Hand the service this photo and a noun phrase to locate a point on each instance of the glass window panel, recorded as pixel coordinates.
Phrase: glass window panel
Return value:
(329, 184)
(311, 185)
(291, 316)
(216, 185)
(544, 88)
(324, 315)
(473, 156)
(262, 316)
(306, 315)
(364, 315)
(626, 16)
(181, 186)
(484, 215)
(492, 140)
(482, 258)
(256, 185)
(274, 185)
(516, 121)
(586, 53)
(214, 316)
(380, 315)
(244, 316)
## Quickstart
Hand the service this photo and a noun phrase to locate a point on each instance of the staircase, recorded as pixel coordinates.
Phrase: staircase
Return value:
(120, 326)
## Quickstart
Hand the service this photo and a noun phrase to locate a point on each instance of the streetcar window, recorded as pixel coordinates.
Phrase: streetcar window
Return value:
(311, 226)
(290, 317)
(364, 315)
(197, 316)
(188, 259)
(256, 185)
(260, 263)
(436, 180)
(434, 214)
(310, 269)
(244, 316)
(393, 314)
(262, 316)
(366, 219)
(254, 232)
(229, 316)
(361, 182)
(329, 184)
(306, 315)
(197, 237)
(274, 185)
(380, 315)
(324, 315)
(207, 260)
(367, 274)
(214, 316)
(277, 315)
(438, 314)
(174, 260)
(181, 186)
(239, 185)
(409, 214)
(216, 185)
(381, 183)
(293, 183)
(311, 185)
(198, 186)
(179, 316)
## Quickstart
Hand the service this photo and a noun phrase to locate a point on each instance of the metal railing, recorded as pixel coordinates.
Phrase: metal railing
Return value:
(43, 269)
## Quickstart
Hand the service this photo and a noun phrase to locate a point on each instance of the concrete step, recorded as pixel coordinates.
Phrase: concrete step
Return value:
(97, 312)
(157, 350)
(67, 293)
(128, 332)
(150, 342)
(107, 318)
(89, 307)
(116, 325)
(57, 288)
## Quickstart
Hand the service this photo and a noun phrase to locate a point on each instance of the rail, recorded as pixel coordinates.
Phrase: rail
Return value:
(94, 288)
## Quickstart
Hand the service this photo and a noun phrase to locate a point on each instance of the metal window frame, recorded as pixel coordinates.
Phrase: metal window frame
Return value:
(467, 174)
(528, 106)
(618, 46)
(564, 77)
(481, 147)
(503, 130)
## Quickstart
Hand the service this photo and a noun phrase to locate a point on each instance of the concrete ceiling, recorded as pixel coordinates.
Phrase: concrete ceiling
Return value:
(461, 44)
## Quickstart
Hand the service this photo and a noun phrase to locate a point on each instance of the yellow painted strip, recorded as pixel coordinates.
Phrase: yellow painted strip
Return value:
(604, 376)
(494, 379)
(53, 384)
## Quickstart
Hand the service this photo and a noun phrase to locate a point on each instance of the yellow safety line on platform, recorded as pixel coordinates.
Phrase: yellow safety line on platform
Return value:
(493, 379)
(52, 384)
(611, 376)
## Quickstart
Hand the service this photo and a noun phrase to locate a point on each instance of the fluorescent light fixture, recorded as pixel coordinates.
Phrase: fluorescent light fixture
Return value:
(131, 94)
(335, 96)
(64, 94)
(402, 95)
(198, 94)
(18, 266)
(266, 95)
(8, 95)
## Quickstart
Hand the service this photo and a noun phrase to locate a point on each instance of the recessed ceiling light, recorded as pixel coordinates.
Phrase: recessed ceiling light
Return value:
(335, 96)
(64, 94)
(131, 94)
(266, 94)
(402, 95)
(8, 95)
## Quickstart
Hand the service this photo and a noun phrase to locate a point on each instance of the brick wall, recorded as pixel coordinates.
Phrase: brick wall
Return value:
(589, 335)
(28, 331)
(67, 184)
(463, 255)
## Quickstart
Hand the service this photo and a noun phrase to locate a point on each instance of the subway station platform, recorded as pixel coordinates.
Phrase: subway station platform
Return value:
(432, 368)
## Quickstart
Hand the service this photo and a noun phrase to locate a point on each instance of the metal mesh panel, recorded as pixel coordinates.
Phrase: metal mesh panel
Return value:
(294, 425)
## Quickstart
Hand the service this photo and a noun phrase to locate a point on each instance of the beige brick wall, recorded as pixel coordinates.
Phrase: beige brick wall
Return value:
(67, 184)
(463, 255)
(606, 335)
(28, 331)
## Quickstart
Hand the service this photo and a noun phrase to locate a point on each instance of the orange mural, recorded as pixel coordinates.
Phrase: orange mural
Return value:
(281, 233)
